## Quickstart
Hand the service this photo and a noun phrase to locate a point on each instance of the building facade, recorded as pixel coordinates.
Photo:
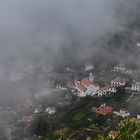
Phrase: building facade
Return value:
(118, 81)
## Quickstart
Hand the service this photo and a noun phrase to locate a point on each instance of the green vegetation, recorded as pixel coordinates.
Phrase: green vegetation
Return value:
(79, 117)
(93, 126)
(129, 129)
(78, 120)
(40, 126)
(89, 138)
(100, 120)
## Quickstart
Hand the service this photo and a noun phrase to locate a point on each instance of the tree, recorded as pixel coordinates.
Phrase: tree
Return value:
(40, 126)
(129, 129)
(101, 137)
(89, 138)
(100, 120)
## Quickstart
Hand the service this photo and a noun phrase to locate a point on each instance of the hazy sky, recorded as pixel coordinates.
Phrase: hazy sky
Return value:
(39, 31)
(43, 31)
(29, 27)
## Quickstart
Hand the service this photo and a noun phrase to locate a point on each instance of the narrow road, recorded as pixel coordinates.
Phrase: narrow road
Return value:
(131, 96)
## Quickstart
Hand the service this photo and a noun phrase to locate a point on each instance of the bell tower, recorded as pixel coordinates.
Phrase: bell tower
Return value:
(91, 78)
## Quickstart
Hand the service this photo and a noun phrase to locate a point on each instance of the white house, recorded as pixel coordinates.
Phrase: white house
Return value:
(118, 81)
(123, 70)
(129, 72)
(119, 69)
(138, 116)
(89, 67)
(50, 110)
(38, 109)
(122, 112)
(86, 87)
(60, 88)
(100, 92)
(107, 90)
(135, 87)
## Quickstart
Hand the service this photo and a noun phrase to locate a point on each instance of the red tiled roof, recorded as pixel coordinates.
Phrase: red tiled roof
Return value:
(86, 82)
(104, 110)
(120, 80)
(80, 85)
(27, 118)
(113, 134)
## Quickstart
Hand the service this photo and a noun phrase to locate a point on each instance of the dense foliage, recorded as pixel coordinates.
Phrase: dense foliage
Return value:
(129, 129)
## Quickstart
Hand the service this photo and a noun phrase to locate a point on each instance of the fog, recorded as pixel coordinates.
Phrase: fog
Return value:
(30, 27)
(51, 31)
(36, 33)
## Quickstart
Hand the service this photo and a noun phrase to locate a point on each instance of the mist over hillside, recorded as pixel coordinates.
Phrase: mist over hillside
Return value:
(63, 32)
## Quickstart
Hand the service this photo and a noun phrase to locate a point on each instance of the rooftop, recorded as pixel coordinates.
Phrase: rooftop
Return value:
(104, 110)
(137, 83)
(86, 82)
(119, 80)
(50, 110)
(80, 85)
(27, 118)
(113, 134)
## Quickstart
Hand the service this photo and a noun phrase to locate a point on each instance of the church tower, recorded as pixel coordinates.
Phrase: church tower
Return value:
(91, 78)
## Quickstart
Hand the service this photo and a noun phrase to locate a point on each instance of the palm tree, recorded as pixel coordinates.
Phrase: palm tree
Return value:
(129, 129)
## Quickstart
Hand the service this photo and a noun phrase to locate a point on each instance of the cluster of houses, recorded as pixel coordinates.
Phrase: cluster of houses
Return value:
(119, 81)
(49, 110)
(122, 69)
(29, 117)
(87, 86)
(122, 113)
(107, 91)
(106, 110)
(135, 87)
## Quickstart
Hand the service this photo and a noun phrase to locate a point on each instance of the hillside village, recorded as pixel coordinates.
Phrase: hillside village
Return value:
(78, 97)
(70, 70)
